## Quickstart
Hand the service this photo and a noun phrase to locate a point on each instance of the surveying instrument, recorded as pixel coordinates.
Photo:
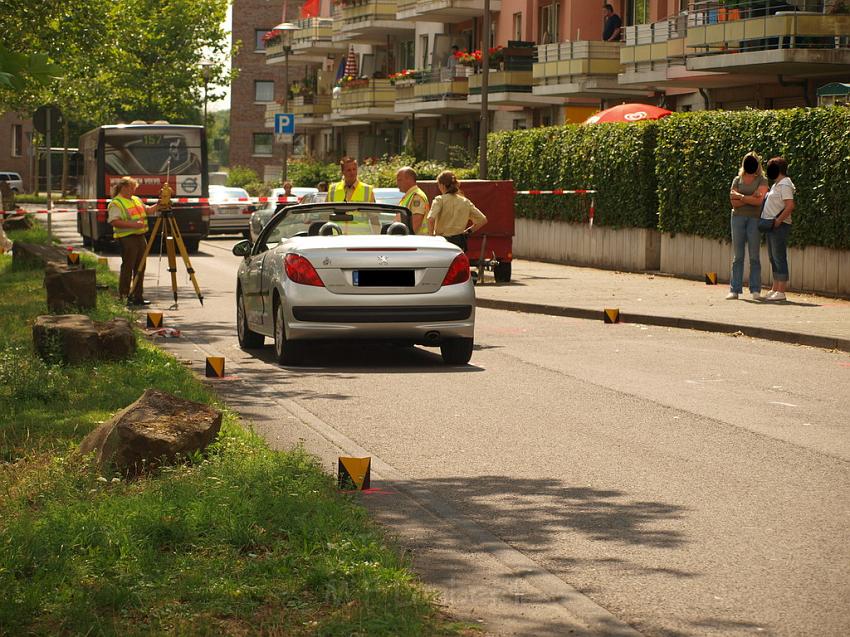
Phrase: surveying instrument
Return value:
(166, 228)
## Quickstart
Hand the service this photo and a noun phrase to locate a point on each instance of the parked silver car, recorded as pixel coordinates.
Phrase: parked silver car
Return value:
(352, 271)
(16, 184)
(264, 212)
(230, 210)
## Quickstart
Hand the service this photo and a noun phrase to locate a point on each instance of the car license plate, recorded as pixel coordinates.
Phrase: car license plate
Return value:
(384, 278)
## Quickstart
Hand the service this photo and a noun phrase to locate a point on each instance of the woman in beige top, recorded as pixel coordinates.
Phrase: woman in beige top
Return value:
(451, 213)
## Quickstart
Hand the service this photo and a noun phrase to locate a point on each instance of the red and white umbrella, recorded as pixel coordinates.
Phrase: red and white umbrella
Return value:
(351, 63)
(628, 113)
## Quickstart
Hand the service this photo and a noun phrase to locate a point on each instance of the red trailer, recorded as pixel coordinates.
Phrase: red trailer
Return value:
(491, 248)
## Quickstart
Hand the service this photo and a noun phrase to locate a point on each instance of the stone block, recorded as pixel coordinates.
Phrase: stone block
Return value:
(69, 288)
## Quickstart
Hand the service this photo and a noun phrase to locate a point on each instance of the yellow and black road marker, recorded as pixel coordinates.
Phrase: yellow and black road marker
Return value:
(711, 278)
(73, 258)
(611, 315)
(155, 320)
(353, 474)
(215, 367)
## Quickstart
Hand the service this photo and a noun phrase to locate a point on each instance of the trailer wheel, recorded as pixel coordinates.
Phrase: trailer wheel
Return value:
(502, 272)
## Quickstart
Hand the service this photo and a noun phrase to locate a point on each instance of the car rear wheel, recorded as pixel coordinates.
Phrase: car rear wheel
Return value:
(286, 352)
(247, 338)
(502, 272)
(456, 351)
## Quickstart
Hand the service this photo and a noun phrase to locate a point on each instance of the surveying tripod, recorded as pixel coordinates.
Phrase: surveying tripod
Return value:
(166, 224)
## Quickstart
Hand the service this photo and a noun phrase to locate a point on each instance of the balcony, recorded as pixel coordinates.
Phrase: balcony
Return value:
(580, 69)
(436, 93)
(509, 88)
(369, 21)
(788, 43)
(445, 11)
(366, 100)
(313, 41)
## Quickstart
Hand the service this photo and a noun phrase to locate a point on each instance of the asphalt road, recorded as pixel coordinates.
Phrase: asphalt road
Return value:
(687, 483)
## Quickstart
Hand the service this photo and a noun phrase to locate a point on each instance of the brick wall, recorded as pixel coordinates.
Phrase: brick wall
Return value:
(8, 162)
(246, 116)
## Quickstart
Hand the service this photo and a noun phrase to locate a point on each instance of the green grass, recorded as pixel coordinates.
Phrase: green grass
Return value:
(238, 540)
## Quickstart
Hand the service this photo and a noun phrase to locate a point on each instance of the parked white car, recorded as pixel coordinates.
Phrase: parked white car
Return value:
(14, 180)
(264, 212)
(230, 210)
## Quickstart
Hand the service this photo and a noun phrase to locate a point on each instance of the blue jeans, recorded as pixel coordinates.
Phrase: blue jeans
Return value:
(777, 251)
(745, 233)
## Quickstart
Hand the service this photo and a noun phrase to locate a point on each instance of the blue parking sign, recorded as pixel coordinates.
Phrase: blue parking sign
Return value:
(284, 123)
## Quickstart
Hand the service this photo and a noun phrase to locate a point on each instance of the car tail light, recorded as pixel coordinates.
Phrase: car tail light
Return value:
(458, 270)
(247, 211)
(205, 211)
(300, 270)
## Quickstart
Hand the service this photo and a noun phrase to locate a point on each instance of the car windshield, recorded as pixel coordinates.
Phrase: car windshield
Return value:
(340, 219)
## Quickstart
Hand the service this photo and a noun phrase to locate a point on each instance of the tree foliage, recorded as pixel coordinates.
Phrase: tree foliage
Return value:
(120, 59)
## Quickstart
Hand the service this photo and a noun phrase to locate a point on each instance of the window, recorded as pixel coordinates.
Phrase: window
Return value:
(259, 45)
(406, 55)
(423, 42)
(517, 30)
(263, 91)
(263, 144)
(549, 23)
(17, 140)
(637, 12)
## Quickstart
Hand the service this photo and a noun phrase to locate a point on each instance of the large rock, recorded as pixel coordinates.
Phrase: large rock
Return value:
(29, 255)
(67, 338)
(17, 222)
(74, 338)
(69, 288)
(157, 428)
(115, 339)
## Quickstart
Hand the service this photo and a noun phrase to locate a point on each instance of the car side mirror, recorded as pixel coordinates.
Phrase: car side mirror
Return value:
(243, 248)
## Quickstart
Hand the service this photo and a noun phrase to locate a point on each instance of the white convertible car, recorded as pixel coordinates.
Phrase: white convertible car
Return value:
(346, 271)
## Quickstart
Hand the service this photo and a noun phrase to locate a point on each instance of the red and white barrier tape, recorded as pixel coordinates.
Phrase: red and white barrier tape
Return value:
(557, 191)
(196, 200)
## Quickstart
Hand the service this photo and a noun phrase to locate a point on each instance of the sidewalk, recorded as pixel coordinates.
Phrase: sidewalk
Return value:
(656, 299)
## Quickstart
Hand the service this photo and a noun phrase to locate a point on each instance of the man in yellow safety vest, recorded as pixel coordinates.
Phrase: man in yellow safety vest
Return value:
(414, 198)
(350, 188)
(128, 217)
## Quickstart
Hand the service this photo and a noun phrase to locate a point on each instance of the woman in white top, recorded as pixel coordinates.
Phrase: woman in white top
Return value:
(451, 214)
(778, 205)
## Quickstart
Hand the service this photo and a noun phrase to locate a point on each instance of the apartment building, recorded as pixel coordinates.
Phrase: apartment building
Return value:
(550, 65)
(257, 85)
(16, 146)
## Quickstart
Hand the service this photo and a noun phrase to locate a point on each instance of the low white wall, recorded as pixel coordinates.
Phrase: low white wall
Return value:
(811, 269)
(580, 244)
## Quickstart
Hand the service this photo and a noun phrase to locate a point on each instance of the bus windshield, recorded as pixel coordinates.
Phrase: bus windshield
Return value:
(154, 152)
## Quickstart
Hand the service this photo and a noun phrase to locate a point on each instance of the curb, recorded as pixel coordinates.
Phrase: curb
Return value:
(782, 336)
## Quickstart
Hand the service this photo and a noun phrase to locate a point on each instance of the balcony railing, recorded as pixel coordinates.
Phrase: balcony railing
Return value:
(431, 86)
(446, 11)
(366, 16)
(502, 82)
(311, 106)
(658, 42)
(565, 61)
(782, 30)
(365, 94)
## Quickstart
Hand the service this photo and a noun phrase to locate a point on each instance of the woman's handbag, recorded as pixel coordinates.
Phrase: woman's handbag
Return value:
(766, 225)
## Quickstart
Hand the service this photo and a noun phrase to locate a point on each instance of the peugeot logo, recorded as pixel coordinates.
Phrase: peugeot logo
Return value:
(382, 260)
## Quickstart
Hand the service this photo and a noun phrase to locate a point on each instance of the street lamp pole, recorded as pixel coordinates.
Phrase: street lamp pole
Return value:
(286, 29)
(485, 88)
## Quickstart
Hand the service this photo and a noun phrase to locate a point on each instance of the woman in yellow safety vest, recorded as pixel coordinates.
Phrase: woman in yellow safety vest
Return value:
(128, 217)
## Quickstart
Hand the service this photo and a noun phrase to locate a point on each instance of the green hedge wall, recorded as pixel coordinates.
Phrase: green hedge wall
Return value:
(616, 159)
(698, 154)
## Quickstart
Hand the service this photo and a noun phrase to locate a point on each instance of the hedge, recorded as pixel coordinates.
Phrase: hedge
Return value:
(615, 159)
(675, 174)
(698, 154)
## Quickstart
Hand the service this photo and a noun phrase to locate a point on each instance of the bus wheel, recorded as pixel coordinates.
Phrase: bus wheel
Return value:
(502, 272)
(192, 245)
(87, 242)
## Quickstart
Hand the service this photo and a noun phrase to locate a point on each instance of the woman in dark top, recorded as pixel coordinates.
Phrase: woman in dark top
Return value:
(746, 195)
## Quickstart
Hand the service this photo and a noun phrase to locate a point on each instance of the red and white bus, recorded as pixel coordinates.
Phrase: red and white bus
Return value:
(150, 153)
